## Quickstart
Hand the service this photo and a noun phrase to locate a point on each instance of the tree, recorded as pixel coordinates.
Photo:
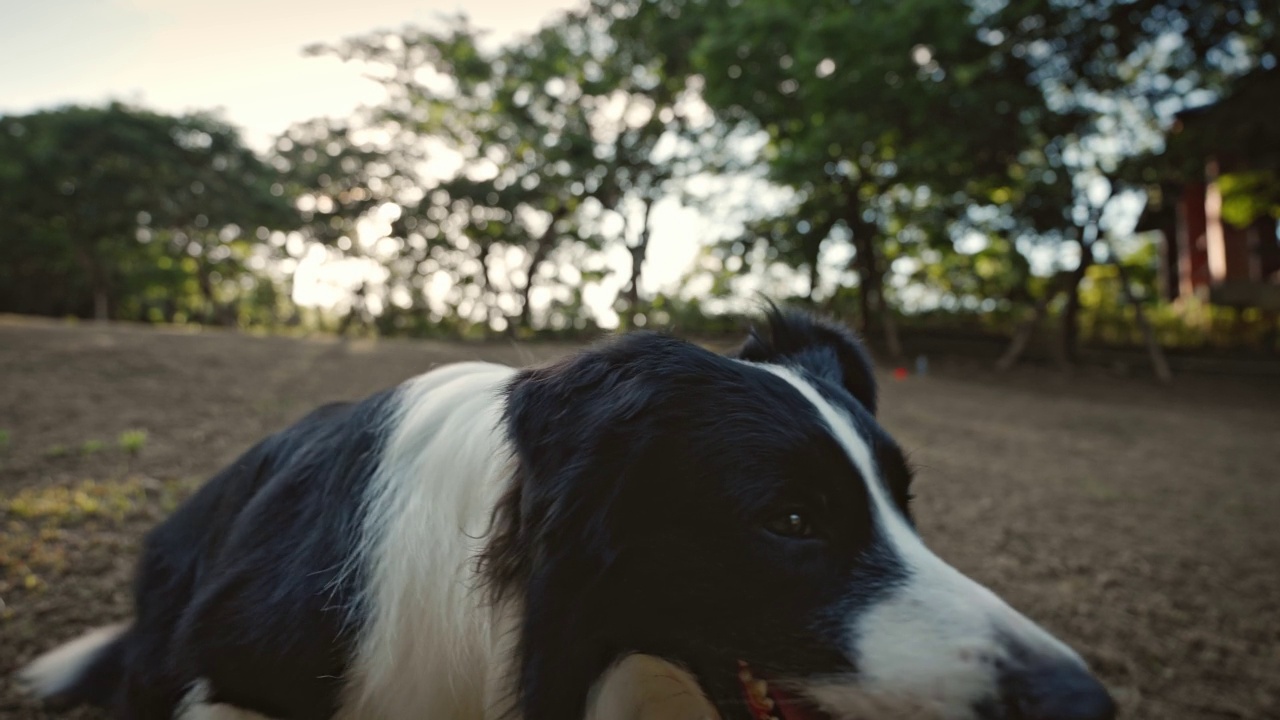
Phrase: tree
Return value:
(1122, 69)
(111, 211)
(1011, 117)
(344, 185)
(550, 137)
(862, 104)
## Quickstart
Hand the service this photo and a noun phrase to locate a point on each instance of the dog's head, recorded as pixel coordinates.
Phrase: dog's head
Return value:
(747, 519)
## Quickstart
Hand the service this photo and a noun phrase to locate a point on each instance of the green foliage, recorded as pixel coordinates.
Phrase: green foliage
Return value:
(122, 213)
(918, 154)
(558, 136)
(905, 127)
(45, 524)
(57, 506)
(90, 447)
(887, 120)
(5, 440)
(1249, 196)
(133, 441)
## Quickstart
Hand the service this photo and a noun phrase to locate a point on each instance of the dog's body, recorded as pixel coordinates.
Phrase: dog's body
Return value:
(294, 578)
(641, 530)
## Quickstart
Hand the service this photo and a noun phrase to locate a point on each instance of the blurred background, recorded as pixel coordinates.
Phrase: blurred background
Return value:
(1055, 221)
(1107, 168)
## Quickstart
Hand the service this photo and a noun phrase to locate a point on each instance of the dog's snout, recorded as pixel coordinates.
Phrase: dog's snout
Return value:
(1057, 691)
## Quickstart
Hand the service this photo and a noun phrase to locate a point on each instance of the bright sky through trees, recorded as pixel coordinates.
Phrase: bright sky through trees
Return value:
(245, 57)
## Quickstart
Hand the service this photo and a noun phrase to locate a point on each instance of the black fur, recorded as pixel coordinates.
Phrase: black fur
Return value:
(248, 583)
(648, 471)
(824, 348)
(648, 468)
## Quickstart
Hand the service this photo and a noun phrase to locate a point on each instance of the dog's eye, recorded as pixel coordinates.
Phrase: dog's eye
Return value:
(792, 523)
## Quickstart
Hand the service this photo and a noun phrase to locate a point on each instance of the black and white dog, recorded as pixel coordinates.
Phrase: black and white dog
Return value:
(644, 529)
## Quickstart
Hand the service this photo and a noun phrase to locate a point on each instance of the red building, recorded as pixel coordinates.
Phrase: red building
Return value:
(1205, 251)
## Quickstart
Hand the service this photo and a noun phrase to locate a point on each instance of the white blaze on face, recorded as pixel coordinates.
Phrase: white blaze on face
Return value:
(935, 646)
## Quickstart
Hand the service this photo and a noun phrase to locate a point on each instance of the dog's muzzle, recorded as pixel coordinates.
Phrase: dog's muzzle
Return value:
(1055, 690)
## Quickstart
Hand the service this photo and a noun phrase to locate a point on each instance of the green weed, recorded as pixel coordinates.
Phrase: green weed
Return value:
(108, 499)
(132, 441)
(43, 528)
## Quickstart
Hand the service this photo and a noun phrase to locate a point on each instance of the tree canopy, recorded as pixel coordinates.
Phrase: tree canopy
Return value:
(120, 212)
(904, 157)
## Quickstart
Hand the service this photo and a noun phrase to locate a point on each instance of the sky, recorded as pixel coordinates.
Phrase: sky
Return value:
(245, 58)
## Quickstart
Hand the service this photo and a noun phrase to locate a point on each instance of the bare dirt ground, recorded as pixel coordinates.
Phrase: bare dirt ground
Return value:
(1139, 523)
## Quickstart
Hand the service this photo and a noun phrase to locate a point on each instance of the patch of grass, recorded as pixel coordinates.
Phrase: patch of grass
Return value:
(42, 529)
(132, 441)
(111, 499)
(4, 441)
(92, 446)
(57, 451)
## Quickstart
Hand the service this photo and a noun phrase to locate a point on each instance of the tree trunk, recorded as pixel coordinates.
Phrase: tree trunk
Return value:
(97, 283)
(294, 317)
(1064, 282)
(813, 256)
(101, 305)
(1022, 335)
(1158, 362)
(487, 294)
(1069, 339)
(872, 305)
(876, 315)
(541, 249)
(212, 314)
(891, 340)
(1090, 233)
(540, 252)
(355, 313)
(864, 262)
(638, 253)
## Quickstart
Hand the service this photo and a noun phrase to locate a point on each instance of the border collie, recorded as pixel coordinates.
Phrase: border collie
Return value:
(645, 529)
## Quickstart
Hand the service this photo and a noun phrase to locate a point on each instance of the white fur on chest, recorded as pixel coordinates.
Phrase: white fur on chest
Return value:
(430, 646)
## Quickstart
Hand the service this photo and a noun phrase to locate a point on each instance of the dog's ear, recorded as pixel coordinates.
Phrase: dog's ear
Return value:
(576, 429)
(556, 412)
(820, 347)
(556, 416)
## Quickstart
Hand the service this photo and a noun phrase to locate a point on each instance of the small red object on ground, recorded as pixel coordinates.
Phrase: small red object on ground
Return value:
(899, 373)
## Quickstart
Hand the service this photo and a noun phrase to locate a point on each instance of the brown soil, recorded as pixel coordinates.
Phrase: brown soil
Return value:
(1138, 523)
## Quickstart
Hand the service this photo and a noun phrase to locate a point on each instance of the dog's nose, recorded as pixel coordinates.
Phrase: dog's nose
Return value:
(1059, 691)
